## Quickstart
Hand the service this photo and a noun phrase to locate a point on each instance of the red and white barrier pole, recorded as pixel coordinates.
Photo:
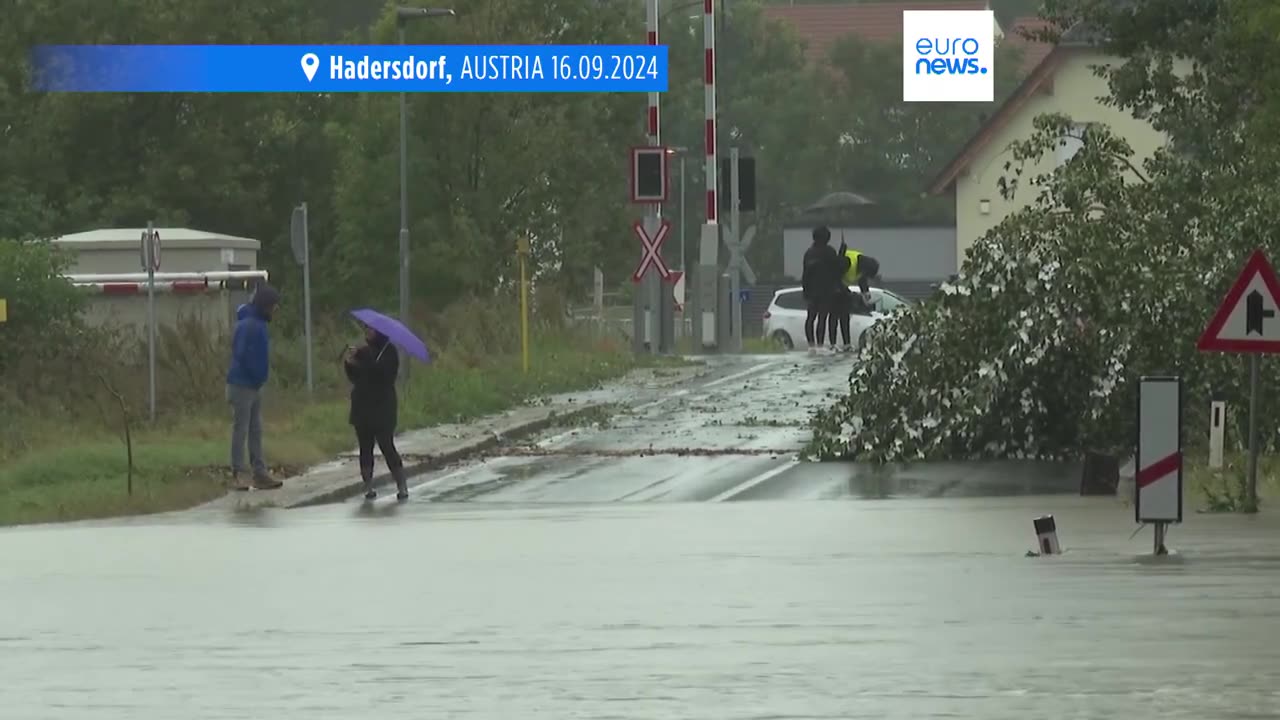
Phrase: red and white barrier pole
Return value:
(651, 117)
(177, 287)
(212, 276)
(709, 81)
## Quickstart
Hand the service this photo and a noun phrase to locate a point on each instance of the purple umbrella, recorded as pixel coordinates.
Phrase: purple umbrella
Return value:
(399, 335)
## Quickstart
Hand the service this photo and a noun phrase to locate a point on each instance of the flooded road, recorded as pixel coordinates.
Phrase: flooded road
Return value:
(675, 562)
(876, 609)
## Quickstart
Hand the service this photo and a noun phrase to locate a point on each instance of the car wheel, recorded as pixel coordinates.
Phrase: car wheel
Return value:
(782, 338)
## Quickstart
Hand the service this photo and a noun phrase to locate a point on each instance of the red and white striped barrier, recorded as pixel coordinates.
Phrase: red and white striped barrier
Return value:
(175, 287)
(709, 81)
(174, 283)
(651, 16)
(211, 276)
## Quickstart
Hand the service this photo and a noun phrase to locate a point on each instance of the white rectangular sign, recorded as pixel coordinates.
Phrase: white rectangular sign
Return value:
(1158, 472)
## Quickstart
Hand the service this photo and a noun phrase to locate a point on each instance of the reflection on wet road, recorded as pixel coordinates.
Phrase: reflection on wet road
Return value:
(733, 437)
(877, 609)
(572, 585)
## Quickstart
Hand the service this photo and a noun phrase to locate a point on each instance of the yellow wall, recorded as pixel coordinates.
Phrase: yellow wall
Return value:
(1075, 93)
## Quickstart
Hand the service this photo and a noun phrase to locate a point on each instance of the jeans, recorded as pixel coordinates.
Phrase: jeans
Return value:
(246, 424)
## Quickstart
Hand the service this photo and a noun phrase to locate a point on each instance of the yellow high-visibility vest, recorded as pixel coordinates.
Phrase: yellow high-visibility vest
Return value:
(851, 275)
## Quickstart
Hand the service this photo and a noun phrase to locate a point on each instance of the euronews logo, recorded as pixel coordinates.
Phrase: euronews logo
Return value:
(947, 55)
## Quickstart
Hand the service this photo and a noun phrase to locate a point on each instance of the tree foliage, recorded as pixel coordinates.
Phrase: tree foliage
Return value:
(1112, 271)
(483, 169)
(42, 307)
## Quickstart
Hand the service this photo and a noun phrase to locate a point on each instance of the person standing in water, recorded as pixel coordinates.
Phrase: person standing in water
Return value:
(817, 283)
(372, 370)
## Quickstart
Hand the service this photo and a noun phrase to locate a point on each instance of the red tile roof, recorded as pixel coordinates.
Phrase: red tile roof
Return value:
(820, 26)
(1033, 51)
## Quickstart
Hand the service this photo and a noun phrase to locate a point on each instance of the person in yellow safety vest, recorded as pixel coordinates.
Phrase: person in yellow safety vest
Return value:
(859, 268)
(853, 267)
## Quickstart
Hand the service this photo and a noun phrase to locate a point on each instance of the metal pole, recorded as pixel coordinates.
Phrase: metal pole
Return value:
(735, 273)
(404, 206)
(306, 295)
(683, 226)
(524, 304)
(1159, 548)
(1254, 371)
(652, 281)
(151, 319)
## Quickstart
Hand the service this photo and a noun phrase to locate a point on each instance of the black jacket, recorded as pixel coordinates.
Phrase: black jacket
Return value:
(818, 280)
(373, 386)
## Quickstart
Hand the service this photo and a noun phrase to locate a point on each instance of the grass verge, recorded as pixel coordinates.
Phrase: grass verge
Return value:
(1224, 490)
(70, 463)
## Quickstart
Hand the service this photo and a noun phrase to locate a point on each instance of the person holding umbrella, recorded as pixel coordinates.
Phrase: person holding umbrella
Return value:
(372, 369)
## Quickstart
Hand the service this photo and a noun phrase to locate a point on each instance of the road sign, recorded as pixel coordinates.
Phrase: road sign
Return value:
(651, 252)
(1246, 321)
(737, 252)
(149, 249)
(650, 174)
(1158, 481)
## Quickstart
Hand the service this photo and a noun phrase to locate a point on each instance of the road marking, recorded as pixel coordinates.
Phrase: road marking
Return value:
(757, 480)
(471, 467)
(749, 371)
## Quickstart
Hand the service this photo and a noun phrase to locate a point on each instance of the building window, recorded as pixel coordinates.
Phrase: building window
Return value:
(1069, 144)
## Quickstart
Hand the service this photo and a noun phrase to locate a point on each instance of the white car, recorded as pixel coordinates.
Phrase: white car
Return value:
(784, 319)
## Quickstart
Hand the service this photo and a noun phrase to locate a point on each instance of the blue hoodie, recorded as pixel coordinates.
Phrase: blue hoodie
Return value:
(251, 344)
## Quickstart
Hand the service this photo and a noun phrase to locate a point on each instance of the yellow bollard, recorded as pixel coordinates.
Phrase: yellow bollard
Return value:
(4, 310)
(522, 250)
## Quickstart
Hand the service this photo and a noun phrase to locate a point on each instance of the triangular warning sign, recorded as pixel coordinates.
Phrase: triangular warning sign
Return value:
(1248, 320)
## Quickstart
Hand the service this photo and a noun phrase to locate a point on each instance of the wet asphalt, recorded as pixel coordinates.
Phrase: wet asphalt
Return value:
(673, 562)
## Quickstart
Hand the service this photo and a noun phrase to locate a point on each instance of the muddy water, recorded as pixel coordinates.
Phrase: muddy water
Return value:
(877, 609)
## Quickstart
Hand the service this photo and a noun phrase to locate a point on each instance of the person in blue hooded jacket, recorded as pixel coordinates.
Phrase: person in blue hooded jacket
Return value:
(250, 367)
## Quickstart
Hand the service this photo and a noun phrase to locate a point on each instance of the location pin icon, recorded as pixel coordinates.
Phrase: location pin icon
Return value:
(310, 63)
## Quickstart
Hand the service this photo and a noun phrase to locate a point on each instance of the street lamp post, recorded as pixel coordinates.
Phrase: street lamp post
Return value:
(404, 15)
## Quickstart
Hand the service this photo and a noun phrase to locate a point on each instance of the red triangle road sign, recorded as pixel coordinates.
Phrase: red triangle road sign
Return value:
(1248, 320)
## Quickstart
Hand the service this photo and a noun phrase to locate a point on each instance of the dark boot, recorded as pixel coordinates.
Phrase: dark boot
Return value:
(402, 484)
(366, 474)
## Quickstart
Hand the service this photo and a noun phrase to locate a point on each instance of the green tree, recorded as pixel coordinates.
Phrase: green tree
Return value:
(1111, 274)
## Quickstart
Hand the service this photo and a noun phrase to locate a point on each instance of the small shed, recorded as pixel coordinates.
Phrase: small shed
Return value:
(117, 252)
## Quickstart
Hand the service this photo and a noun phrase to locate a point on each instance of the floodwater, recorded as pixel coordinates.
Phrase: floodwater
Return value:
(898, 608)
(675, 563)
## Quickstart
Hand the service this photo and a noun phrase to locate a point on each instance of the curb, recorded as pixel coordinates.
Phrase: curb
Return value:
(435, 462)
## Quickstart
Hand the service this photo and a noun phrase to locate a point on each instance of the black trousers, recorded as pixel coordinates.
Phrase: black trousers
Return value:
(386, 442)
(839, 317)
(815, 324)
